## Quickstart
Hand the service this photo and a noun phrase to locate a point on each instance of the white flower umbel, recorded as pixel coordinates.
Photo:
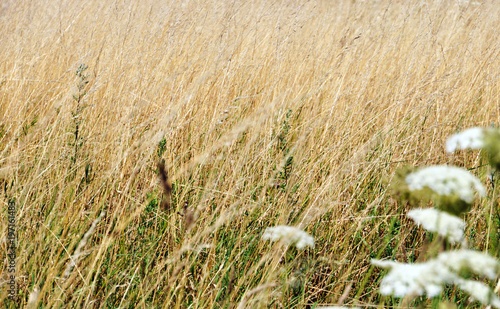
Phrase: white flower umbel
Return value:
(429, 277)
(474, 261)
(444, 224)
(469, 139)
(414, 279)
(289, 235)
(479, 291)
(446, 180)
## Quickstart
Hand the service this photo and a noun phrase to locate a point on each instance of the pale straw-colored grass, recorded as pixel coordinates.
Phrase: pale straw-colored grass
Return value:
(272, 113)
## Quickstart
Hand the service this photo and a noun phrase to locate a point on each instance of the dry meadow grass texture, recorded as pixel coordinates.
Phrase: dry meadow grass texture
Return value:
(264, 113)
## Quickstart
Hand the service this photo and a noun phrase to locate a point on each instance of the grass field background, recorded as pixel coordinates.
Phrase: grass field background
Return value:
(264, 112)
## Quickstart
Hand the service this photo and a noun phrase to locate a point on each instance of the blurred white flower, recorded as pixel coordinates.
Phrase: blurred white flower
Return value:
(289, 235)
(477, 262)
(471, 138)
(33, 298)
(386, 264)
(444, 224)
(446, 180)
(429, 277)
(479, 291)
(414, 279)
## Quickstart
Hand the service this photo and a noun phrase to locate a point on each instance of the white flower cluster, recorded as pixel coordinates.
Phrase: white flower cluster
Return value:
(469, 139)
(479, 291)
(289, 235)
(429, 277)
(446, 180)
(413, 279)
(477, 262)
(444, 224)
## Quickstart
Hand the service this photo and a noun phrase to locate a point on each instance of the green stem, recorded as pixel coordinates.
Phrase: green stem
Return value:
(494, 183)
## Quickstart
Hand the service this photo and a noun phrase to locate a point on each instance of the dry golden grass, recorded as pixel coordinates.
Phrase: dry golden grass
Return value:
(264, 112)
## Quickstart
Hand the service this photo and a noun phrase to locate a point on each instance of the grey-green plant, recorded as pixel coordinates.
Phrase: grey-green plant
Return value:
(77, 111)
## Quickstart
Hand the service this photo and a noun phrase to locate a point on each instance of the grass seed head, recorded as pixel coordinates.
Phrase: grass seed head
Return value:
(166, 185)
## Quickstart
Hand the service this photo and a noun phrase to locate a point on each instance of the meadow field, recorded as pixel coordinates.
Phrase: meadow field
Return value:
(145, 146)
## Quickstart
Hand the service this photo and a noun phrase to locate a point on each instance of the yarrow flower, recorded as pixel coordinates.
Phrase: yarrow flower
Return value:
(453, 189)
(446, 181)
(430, 277)
(472, 138)
(413, 279)
(479, 291)
(444, 224)
(474, 261)
(289, 235)
(487, 139)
